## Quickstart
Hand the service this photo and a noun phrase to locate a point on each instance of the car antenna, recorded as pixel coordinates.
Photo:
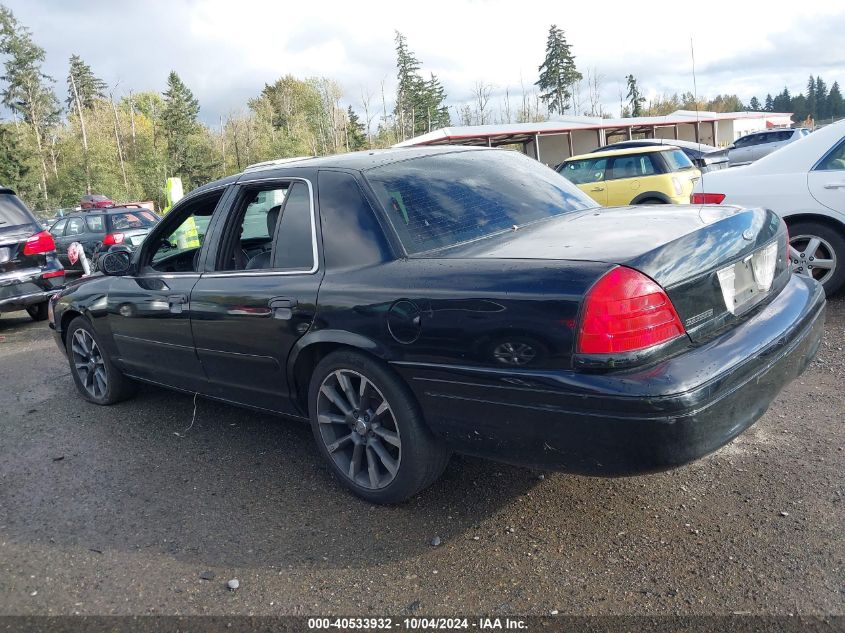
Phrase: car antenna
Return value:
(697, 114)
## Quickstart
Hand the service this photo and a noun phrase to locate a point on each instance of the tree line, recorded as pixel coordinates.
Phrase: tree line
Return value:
(126, 146)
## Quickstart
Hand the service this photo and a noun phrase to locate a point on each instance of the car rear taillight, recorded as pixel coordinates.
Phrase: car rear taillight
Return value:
(626, 311)
(39, 243)
(707, 198)
(53, 273)
(113, 238)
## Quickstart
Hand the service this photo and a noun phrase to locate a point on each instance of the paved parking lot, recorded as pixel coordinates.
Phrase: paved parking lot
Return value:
(127, 510)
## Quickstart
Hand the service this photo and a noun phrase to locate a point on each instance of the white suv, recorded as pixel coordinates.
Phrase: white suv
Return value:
(804, 183)
(746, 149)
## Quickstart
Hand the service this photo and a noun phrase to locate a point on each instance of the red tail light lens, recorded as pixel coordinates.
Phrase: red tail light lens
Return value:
(707, 198)
(626, 311)
(39, 243)
(113, 238)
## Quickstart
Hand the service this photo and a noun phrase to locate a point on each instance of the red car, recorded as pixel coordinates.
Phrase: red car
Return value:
(95, 201)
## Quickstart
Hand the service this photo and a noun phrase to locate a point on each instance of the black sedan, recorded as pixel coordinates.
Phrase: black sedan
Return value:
(411, 303)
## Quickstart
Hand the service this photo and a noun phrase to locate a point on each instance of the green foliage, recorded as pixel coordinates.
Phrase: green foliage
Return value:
(754, 105)
(558, 74)
(180, 125)
(770, 103)
(835, 104)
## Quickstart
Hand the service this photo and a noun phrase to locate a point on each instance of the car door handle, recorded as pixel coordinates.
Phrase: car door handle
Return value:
(176, 303)
(835, 185)
(597, 189)
(282, 308)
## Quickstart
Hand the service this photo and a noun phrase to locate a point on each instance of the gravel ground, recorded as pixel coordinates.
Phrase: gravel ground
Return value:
(127, 510)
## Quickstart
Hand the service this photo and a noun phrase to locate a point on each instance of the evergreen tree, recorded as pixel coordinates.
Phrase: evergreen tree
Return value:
(635, 99)
(179, 122)
(835, 104)
(821, 111)
(782, 102)
(809, 105)
(558, 73)
(13, 166)
(408, 89)
(28, 91)
(754, 105)
(420, 105)
(83, 84)
(770, 104)
(356, 135)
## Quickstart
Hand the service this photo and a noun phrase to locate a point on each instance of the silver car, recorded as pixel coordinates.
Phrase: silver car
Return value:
(746, 149)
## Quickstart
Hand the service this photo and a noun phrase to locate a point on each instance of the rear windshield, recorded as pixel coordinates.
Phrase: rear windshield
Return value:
(132, 220)
(13, 212)
(442, 200)
(677, 160)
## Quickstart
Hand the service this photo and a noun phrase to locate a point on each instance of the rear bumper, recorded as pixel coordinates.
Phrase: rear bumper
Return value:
(627, 422)
(28, 287)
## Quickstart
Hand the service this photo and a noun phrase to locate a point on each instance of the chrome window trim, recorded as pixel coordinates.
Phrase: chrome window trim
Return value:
(279, 272)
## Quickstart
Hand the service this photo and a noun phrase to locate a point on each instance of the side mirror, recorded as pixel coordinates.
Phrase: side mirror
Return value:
(116, 262)
(732, 146)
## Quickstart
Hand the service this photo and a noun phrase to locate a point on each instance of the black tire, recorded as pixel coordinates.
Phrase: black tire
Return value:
(833, 240)
(38, 311)
(117, 387)
(652, 201)
(421, 457)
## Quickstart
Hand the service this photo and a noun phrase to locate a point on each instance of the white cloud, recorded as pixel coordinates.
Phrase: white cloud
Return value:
(227, 51)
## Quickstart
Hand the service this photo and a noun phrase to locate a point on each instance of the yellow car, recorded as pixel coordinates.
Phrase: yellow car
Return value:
(638, 175)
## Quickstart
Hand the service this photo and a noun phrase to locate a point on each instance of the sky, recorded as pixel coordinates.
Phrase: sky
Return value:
(226, 51)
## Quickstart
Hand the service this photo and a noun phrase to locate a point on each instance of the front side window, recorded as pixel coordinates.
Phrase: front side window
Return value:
(585, 171)
(835, 160)
(441, 200)
(184, 234)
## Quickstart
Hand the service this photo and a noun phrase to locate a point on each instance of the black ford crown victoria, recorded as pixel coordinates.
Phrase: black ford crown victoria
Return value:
(411, 303)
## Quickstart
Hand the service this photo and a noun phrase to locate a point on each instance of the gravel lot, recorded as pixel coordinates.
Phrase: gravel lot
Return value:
(126, 510)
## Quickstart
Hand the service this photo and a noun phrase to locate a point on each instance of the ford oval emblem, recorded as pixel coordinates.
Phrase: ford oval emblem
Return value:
(748, 235)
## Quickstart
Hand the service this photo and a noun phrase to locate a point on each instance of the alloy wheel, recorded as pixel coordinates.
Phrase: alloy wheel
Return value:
(514, 353)
(812, 256)
(88, 363)
(358, 429)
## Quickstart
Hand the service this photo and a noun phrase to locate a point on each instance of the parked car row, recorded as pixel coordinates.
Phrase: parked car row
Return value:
(98, 229)
(30, 271)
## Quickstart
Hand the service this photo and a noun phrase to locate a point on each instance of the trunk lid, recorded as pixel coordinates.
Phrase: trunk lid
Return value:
(681, 247)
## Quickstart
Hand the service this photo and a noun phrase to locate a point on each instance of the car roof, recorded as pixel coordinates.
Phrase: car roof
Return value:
(359, 161)
(652, 142)
(648, 149)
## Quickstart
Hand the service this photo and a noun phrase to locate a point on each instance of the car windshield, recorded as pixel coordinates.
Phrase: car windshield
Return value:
(677, 160)
(132, 220)
(12, 211)
(439, 201)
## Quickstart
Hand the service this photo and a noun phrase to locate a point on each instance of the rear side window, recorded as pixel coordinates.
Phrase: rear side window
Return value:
(95, 223)
(13, 212)
(635, 166)
(677, 160)
(585, 171)
(132, 220)
(294, 246)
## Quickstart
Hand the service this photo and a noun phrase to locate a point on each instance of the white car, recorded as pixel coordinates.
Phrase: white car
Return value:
(804, 183)
(751, 147)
